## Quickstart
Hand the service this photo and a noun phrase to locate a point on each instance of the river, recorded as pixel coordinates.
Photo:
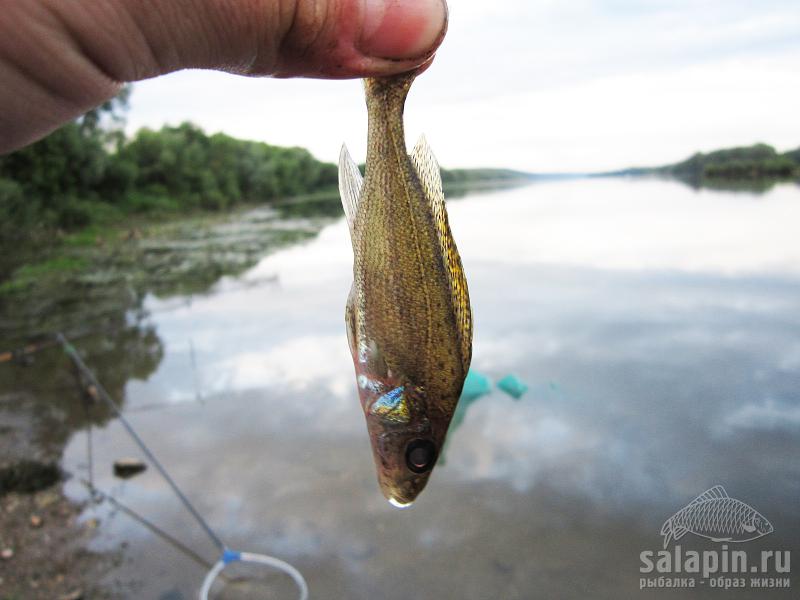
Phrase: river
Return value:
(656, 326)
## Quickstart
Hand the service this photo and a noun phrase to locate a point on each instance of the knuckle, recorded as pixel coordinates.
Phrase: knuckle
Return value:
(309, 37)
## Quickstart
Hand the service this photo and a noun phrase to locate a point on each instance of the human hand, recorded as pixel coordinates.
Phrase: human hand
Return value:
(59, 59)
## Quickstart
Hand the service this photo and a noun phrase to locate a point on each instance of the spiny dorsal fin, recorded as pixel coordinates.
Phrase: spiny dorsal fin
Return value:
(350, 183)
(715, 493)
(431, 179)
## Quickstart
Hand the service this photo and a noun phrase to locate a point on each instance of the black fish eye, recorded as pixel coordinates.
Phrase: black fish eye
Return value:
(420, 455)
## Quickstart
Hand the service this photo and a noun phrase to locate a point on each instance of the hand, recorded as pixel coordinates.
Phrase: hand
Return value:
(59, 59)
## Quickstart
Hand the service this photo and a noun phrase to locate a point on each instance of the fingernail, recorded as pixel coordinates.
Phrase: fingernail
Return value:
(402, 29)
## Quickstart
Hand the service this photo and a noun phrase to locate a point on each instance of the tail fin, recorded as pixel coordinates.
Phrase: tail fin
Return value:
(666, 531)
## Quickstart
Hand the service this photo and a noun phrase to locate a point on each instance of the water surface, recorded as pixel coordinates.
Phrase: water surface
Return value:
(656, 326)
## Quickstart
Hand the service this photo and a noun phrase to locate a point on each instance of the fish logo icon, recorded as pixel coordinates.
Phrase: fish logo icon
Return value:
(718, 517)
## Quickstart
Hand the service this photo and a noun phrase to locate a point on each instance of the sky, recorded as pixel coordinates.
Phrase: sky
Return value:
(545, 86)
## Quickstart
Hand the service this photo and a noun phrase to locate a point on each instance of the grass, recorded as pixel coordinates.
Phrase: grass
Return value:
(85, 237)
(27, 275)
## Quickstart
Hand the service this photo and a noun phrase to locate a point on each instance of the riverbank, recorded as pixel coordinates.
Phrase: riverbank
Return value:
(117, 265)
(43, 549)
(92, 285)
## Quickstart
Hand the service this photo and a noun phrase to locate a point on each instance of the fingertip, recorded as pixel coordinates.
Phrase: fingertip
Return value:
(403, 29)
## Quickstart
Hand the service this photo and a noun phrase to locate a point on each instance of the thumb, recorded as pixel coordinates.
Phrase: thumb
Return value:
(59, 59)
(316, 38)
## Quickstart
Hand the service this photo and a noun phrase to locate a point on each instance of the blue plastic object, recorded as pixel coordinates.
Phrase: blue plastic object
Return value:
(475, 386)
(513, 386)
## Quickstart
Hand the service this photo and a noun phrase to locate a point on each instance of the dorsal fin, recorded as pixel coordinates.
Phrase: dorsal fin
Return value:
(715, 493)
(350, 183)
(431, 179)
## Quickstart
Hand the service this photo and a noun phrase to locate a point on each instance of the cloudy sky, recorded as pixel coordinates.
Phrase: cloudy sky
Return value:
(542, 85)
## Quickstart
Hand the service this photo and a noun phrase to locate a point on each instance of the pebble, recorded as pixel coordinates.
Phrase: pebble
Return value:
(128, 467)
(6, 554)
(36, 521)
(93, 394)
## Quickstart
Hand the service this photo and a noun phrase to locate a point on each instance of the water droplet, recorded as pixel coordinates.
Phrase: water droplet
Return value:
(397, 504)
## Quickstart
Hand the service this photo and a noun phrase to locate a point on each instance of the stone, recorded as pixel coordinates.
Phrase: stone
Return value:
(126, 468)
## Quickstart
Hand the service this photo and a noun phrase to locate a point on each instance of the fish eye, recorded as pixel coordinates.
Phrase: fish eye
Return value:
(420, 455)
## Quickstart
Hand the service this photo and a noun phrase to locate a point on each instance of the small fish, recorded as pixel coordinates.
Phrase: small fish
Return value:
(408, 316)
(718, 517)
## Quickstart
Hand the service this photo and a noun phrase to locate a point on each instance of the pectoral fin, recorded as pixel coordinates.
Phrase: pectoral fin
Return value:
(350, 321)
(350, 183)
(431, 179)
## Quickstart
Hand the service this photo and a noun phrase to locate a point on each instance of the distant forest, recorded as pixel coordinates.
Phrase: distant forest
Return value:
(745, 163)
(90, 172)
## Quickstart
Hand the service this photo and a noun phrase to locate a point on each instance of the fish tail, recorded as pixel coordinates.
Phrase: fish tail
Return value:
(386, 98)
(667, 532)
(394, 88)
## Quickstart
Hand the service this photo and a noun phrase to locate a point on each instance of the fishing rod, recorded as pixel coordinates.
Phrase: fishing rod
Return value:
(227, 555)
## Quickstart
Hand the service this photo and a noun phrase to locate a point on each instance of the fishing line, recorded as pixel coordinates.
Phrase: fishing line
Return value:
(98, 494)
(227, 555)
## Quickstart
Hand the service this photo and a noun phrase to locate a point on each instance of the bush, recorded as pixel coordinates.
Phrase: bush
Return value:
(15, 211)
(72, 213)
(147, 201)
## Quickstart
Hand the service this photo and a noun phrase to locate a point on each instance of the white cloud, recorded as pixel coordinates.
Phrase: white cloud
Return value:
(768, 415)
(298, 363)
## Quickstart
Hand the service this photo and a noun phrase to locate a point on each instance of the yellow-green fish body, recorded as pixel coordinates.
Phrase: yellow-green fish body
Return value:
(408, 315)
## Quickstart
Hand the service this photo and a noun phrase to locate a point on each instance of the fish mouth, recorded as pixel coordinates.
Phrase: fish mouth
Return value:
(401, 492)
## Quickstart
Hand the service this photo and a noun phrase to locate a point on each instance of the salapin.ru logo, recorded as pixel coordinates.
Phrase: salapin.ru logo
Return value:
(716, 516)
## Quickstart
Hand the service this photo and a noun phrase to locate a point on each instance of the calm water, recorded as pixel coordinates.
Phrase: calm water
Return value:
(657, 327)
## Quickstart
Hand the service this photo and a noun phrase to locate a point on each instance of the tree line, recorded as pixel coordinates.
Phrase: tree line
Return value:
(88, 171)
(745, 162)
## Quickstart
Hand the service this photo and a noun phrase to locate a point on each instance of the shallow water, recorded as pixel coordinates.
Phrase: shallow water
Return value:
(656, 326)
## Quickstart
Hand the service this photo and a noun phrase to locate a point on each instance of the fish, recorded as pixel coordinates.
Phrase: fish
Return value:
(408, 315)
(718, 517)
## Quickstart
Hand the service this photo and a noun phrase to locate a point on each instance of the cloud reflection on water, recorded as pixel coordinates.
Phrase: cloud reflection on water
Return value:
(665, 320)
